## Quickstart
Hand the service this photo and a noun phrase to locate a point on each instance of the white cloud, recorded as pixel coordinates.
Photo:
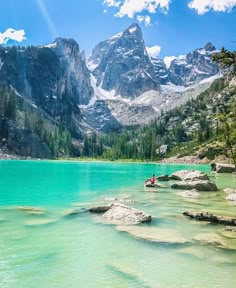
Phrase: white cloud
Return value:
(11, 34)
(145, 19)
(132, 8)
(154, 51)
(168, 59)
(203, 6)
(112, 3)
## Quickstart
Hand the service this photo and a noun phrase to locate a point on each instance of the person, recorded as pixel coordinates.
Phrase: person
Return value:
(153, 179)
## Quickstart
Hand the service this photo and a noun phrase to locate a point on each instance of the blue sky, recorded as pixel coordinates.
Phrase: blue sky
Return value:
(177, 26)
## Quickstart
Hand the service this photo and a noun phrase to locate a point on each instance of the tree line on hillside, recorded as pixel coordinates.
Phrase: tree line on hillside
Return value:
(17, 113)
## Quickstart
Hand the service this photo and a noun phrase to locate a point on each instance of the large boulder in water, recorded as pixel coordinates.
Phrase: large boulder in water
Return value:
(188, 175)
(122, 214)
(163, 178)
(199, 185)
(223, 168)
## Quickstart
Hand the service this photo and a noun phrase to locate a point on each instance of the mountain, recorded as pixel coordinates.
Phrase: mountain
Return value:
(120, 86)
(54, 78)
(121, 63)
(136, 87)
(189, 69)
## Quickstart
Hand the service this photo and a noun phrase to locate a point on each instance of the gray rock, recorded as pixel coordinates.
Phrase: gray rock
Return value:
(229, 190)
(216, 219)
(121, 214)
(189, 194)
(163, 178)
(188, 175)
(199, 185)
(162, 150)
(231, 197)
(224, 168)
(100, 209)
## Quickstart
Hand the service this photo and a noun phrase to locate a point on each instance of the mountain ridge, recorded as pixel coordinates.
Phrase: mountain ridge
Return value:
(120, 86)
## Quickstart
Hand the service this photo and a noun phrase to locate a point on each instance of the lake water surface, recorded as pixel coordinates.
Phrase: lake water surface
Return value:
(81, 252)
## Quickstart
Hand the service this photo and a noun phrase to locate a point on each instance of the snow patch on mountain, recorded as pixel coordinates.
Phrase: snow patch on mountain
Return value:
(168, 60)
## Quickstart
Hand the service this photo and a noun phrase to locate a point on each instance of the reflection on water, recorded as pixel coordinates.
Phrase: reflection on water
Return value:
(50, 250)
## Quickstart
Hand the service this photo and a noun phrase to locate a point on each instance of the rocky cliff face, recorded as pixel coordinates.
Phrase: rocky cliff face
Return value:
(161, 71)
(195, 66)
(53, 77)
(121, 63)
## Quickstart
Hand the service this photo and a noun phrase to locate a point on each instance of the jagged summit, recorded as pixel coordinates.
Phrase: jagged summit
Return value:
(121, 63)
(209, 47)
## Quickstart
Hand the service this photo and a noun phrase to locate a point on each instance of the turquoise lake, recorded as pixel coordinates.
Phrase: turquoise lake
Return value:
(54, 251)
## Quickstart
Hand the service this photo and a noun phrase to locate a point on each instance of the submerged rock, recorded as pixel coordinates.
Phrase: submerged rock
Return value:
(129, 273)
(39, 222)
(31, 210)
(229, 190)
(122, 200)
(188, 175)
(204, 254)
(200, 185)
(231, 229)
(193, 194)
(231, 197)
(110, 199)
(71, 212)
(205, 216)
(154, 234)
(121, 214)
(210, 238)
(229, 233)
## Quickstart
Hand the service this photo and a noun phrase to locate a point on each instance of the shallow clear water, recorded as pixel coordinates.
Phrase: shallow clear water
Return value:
(81, 252)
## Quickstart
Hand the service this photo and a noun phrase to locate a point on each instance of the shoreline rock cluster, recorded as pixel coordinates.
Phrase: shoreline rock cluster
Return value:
(223, 168)
(216, 219)
(190, 180)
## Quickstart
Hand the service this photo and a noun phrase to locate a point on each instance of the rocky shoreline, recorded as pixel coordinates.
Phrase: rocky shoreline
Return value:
(192, 159)
(6, 155)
